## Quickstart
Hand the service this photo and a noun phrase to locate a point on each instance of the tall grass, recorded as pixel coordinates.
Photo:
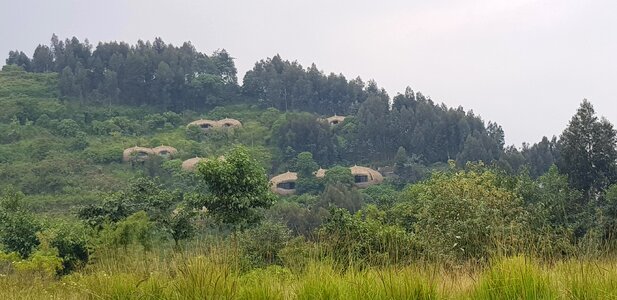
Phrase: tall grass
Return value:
(209, 271)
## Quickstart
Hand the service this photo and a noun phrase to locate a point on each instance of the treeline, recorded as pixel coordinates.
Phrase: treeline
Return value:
(286, 85)
(147, 73)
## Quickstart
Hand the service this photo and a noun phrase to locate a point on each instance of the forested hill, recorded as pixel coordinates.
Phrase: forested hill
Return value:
(71, 108)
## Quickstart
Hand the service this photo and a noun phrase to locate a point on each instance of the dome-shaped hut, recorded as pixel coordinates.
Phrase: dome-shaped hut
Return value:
(284, 184)
(204, 124)
(227, 123)
(335, 120)
(165, 151)
(365, 177)
(136, 154)
(321, 173)
(191, 163)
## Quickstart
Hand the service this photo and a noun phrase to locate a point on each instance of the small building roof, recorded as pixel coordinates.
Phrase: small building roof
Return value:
(162, 149)
(374, 177)
(335, 119)
(321, 173)
(202, 122)
(227, 122)
(283, 178)
(129, 152)
(191, 163)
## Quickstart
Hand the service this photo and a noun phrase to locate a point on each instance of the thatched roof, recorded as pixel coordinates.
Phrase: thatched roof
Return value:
(335, 119)
(229, 123)
(321, 173)
(204, 124)
(374, 177)
(191, 163)
(166, 151)
(283, 178)
(140, 153)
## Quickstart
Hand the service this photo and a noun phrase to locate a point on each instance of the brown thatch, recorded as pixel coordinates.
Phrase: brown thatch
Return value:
(225, 123)
(284, 184)
(334, 120)
(191, 163)
(365, 177)
(136, 153)
(165, 151)
(204, 124)
(321, 173)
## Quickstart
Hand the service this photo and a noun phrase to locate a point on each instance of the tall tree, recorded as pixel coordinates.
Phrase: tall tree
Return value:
(588, 151)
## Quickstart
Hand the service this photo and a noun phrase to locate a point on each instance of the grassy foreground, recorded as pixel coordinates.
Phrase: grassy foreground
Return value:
(215, 274)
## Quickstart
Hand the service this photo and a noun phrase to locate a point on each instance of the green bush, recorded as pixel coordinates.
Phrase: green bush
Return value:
(261, 245)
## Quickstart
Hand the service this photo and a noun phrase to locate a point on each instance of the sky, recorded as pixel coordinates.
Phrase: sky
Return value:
(524, 64)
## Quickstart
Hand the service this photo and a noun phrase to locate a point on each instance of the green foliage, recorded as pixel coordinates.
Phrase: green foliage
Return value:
(237, 185)
(338, 175)
(339, 195)
(589, 151)
(136, 228)
(72, 241)
(68, 128)
(18, 227)
(142, 195)
(365, 237)
(466, 215)
(261, 245)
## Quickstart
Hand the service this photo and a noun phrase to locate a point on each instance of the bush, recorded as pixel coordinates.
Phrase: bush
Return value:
(261, 245)
(72, 242)
(466, 215)
(68, 128)
(365, 238)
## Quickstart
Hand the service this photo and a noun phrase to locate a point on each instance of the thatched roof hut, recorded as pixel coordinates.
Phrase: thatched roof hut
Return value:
(191, 163)
(136, 154)
(335, 120)
(321, 173)
(226, 123)
(165, 151)
(284, 184)
(365, 177)
(204, 124)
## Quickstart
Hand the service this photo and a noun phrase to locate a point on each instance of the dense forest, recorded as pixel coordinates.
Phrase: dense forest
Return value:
(454, 194)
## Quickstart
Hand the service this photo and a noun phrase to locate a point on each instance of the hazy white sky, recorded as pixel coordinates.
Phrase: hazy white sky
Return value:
(524, 64)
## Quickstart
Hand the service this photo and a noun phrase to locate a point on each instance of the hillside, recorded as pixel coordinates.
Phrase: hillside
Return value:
(62, 137)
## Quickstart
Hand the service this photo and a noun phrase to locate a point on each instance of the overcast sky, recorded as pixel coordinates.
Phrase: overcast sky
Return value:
(524, 64)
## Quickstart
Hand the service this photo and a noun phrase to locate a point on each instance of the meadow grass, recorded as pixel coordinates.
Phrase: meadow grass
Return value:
(213, 273)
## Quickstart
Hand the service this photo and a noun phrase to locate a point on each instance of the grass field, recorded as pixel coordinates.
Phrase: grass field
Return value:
(216, 272)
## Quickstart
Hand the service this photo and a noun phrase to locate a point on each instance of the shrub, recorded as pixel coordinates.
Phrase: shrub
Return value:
(465, 215)
(261, 245)
(68, 128)
(72, 242)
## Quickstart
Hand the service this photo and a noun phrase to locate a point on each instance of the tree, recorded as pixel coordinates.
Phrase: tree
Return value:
(306, 168)
(42, 59)
(237, 187)
(19, 58)
(339, 175)
(66, 83)
(18, 227)
(588, 152)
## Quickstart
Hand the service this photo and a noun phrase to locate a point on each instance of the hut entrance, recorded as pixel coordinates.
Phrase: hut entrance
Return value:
(205, 126)
(334, 122)
(290, 185)
(141, 155)
(360, 178)
(227, 125)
